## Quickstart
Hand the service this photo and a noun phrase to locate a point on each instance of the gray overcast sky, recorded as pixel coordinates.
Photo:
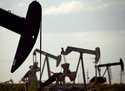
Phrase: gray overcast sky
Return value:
(82, 14)
(80, 23)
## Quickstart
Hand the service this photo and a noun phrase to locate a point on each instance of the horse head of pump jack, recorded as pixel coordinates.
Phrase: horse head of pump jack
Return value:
(27, 27)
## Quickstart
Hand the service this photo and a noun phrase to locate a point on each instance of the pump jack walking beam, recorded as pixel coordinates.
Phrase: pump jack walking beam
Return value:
(95, 52)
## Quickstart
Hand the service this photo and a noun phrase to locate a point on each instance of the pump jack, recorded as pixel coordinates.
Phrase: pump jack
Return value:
(47, 55)
(30, 76)
(95, 52)
(108, 65)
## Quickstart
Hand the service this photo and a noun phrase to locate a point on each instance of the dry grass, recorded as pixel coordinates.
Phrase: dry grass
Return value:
(105, 87)
(12, 87)
(113, 87)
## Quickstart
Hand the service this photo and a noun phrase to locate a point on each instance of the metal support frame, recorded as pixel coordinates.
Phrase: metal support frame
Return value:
(48, 66)
(40, 48)
(109, 74)
(83, 69)
(108, 70)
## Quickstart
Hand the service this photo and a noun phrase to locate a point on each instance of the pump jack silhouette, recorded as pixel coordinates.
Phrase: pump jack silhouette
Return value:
(82, 51)
(108, 70)
(27, 27)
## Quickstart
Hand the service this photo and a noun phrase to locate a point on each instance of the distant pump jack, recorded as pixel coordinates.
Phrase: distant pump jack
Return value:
(82, 51)
(27, 27)
(47, 56)
(107, 66)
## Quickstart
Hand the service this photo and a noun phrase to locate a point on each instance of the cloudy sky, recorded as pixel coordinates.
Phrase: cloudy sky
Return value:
(80, 23)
